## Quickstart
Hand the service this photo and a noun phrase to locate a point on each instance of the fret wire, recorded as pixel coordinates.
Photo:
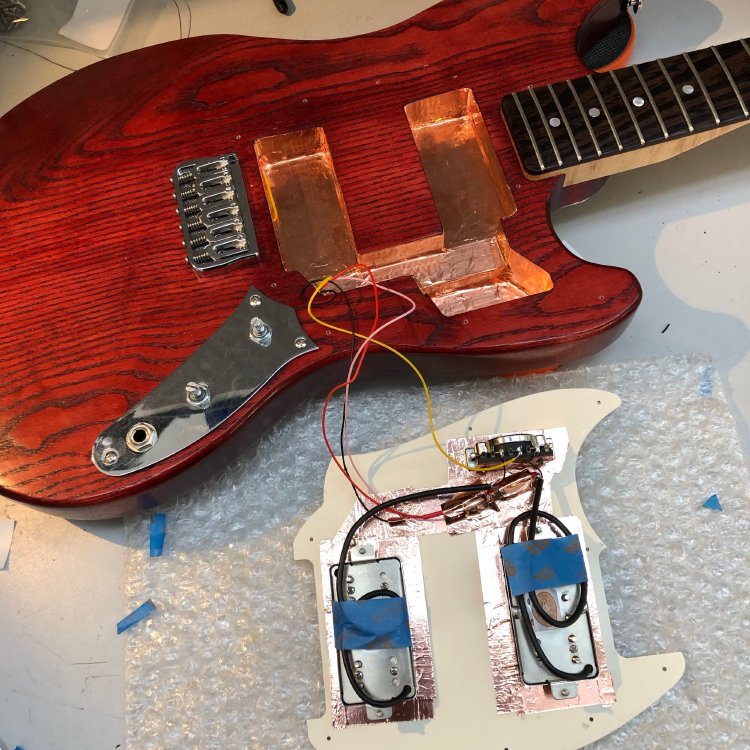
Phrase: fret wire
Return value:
(565, 122)
(630, 109)
(676, 96)
(585, 118)
(744, 44)
(730, 78)
(652, 102)
(606, 112)
(528, 130)
(703, 88)
(546, 127)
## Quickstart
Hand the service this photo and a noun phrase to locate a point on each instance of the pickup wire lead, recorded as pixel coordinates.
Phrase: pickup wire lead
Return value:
(533, 515)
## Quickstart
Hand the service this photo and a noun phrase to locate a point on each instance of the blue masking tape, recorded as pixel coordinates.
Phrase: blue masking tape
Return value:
(371, 624)
(158, 528)
(713, 503)
(543, 564)
(136, 616)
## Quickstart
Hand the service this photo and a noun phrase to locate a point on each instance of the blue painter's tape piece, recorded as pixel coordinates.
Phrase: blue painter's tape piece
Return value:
(544, 564)
(136, 616)
(371, 624)
(158, 529)
(713, 503)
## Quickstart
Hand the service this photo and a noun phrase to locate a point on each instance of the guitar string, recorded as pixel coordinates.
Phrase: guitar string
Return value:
(321, 285)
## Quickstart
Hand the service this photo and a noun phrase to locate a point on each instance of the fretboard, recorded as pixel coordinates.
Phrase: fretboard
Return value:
(559, 126)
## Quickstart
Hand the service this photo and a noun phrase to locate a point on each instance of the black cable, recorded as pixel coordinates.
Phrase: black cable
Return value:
(530, 635)
(583, 587)
(375, 593)
(533, 515)
(341, 575)
(353, 321)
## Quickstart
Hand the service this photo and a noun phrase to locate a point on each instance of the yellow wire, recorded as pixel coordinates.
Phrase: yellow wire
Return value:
(317, 291)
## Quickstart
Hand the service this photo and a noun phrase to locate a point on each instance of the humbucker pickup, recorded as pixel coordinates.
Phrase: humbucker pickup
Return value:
(212, 205)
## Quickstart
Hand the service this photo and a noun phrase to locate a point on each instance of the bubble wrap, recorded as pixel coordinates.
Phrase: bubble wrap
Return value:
(231, 659)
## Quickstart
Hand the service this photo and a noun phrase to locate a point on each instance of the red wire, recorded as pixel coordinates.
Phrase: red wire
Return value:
(355, 375)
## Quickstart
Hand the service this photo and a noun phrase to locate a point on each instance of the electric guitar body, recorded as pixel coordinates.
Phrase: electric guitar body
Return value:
(389, 150)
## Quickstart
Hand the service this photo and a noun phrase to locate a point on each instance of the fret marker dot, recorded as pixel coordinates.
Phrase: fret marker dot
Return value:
(594, 112)
(555, 122)
(688, 89)
(639, 101)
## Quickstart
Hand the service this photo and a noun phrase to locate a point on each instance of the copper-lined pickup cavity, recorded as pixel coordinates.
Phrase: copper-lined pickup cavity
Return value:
(470, 265)
(307, 207)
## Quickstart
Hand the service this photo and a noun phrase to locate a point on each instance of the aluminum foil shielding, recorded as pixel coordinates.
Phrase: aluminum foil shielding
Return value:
(400, 543)
(512, 694)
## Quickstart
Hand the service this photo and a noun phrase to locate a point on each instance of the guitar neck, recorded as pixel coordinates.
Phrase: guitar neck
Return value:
(559, 127)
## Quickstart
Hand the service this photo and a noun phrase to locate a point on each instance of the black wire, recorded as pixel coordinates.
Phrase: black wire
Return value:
(353, 321)
(341, 575)
(582, 589)
(375, 593)
(533, 515)
(530, 635)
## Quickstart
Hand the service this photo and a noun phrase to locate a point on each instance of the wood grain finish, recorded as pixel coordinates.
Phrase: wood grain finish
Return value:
(98, 305)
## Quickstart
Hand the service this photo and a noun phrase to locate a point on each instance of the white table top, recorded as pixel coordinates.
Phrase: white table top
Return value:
(681, 226)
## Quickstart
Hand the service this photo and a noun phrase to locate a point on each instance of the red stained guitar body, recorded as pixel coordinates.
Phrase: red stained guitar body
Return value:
(98, 305)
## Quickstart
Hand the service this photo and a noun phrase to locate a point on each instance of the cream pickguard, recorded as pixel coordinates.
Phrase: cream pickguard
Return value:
(465, 712)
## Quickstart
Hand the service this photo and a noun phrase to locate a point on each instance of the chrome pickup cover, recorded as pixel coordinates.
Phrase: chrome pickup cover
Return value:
(212, 205)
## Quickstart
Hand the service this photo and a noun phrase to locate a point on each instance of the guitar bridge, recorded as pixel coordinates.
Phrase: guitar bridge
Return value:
(214, 213)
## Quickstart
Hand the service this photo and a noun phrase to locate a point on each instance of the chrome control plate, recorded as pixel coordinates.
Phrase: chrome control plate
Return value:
(257, 340)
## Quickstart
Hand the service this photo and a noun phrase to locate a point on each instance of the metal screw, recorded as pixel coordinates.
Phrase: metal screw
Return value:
(565, 692)
(350, 579)
(384, 585)
(576, 660)
(300, 343)
(358, 675)
(350, 589)
(572, 638)
(110, 456)
(392, 660)
(573, 649)
(394, 670)
(379, 713)
(538, 529)
(565, 597)
(197, 395)
(362, 550)
(395, 682)
(357, 664)
(254, 300)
